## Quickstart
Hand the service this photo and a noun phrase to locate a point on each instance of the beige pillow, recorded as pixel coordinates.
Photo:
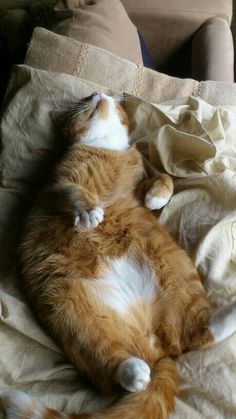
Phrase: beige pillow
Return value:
(52, 52)
(103, 23)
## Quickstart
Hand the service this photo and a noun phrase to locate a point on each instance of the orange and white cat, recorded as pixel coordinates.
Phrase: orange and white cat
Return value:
(104, 278)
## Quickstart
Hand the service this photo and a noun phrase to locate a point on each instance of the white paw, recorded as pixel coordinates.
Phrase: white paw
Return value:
(90, 219)
(133, 374)
(155, 202)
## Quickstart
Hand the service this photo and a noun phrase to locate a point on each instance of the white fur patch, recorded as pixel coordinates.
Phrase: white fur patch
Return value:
(126, 283)
(133, 374)
(90, 219)
(16, 404)
(223, 324)
(107, 133)
(154, 202)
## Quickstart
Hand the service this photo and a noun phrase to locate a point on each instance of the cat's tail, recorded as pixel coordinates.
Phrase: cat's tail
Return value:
(155, 402)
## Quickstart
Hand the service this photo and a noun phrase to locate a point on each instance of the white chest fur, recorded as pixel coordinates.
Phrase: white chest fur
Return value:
(126, 283)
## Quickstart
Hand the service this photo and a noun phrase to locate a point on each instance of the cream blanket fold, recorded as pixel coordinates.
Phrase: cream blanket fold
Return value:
(188, 138)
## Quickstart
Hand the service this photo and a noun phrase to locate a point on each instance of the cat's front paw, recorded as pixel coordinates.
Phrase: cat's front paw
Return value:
(89, 219)
(155, 202)
(159, 194)
(133, 374)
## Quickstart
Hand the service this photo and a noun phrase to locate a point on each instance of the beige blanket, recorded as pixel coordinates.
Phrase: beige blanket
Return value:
(187, 138)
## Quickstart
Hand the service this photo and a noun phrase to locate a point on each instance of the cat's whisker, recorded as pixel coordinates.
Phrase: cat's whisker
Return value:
(80, 107)
(76, 111)
(126, 100)
(125, 97)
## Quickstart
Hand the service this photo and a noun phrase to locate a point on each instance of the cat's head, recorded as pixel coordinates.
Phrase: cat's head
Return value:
(98, 121)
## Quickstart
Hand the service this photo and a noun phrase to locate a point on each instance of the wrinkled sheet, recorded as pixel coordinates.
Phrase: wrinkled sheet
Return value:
(187, 138)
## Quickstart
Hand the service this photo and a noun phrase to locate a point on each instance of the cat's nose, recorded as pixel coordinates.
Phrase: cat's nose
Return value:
(96, 97)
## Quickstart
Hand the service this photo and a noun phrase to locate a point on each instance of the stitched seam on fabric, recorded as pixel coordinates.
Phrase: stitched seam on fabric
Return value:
(81, 59)
(138, 81)
(196, 89)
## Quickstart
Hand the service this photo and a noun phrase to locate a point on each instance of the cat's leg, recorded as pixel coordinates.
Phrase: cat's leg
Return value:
(186, 322)
(110, 360)
(155, 192)
(99, 342)
(133, 374)
(75, 200)
(182, 319)
(112, 352)
(182, 311)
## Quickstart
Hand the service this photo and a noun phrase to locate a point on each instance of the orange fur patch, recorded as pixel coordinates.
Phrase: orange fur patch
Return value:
(123, 117)
(103, 108)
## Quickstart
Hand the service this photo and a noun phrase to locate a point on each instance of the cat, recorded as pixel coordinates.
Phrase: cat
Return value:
(105, 279)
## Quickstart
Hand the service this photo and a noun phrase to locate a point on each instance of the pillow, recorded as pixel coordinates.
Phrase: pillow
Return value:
(102, 23)
(102, 67)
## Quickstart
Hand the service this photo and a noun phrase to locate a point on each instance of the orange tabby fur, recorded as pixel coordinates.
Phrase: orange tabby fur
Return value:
(61, 265)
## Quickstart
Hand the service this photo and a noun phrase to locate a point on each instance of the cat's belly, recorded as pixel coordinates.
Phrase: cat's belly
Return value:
(127, 282)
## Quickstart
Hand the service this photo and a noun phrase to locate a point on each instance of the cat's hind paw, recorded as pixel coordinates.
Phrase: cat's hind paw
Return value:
(89, 219)
(133, 374)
